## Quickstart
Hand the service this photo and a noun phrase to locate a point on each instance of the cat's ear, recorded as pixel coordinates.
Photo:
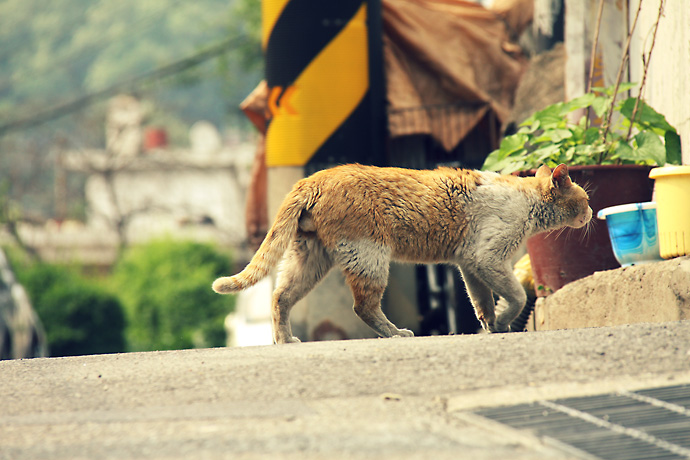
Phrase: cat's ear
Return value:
(543, 171)
(560, 177)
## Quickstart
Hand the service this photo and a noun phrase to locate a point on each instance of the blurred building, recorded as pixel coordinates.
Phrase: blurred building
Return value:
(139, 188)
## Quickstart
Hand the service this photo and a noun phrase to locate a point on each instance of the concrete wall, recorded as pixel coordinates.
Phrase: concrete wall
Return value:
(167, 192)
(160, 202)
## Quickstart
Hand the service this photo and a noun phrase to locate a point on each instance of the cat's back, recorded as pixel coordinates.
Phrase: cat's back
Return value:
(396, 206)
(361, 187)
(391, 179)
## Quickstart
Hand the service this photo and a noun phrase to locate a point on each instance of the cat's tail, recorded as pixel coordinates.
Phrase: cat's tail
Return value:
(279, 237)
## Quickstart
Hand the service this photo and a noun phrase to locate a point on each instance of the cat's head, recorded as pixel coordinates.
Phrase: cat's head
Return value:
(566, 195)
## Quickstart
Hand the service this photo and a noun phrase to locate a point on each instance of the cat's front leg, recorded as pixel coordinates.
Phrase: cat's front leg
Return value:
(499, 327)
(482, 281)
(504, 283)
(481, 297)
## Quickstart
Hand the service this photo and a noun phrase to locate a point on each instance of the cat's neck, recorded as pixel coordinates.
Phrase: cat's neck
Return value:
(545, 216)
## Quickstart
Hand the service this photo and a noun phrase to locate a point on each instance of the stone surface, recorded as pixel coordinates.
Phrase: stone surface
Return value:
(377, 399)
(645, 293)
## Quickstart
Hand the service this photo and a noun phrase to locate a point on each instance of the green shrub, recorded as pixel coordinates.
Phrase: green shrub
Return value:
(79, 317)
(165, 287)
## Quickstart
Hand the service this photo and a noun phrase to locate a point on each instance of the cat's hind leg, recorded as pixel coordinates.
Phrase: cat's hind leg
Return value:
(305, 264)
(367, 294)
(365, 265)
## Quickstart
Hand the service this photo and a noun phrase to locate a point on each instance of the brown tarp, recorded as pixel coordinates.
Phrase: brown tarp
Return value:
(256, 212)
(447, 63)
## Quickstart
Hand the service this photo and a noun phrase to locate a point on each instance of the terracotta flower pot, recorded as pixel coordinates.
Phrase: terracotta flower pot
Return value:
(561, 257)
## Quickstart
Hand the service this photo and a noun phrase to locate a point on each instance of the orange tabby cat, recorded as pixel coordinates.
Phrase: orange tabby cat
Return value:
(359, 218)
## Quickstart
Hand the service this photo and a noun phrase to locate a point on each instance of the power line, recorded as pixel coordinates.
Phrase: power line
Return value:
(90, 98)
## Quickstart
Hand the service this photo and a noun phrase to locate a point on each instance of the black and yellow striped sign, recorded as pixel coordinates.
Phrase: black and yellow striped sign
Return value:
(317, 71)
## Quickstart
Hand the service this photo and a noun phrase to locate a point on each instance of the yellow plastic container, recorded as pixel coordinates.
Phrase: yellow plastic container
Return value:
(673, 209)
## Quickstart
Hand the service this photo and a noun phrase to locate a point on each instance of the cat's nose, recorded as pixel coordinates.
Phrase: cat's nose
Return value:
(583, 219)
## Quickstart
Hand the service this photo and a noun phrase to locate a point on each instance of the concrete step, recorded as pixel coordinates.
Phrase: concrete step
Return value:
(649, 293)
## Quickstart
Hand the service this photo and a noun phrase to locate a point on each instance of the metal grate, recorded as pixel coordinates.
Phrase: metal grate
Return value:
(651, 423)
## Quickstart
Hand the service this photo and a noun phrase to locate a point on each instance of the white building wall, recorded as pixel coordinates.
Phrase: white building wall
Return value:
(667, 88)
(168, 193)
(580, 28)
(668, 80)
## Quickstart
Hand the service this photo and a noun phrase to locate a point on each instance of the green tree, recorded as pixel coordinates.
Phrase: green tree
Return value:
(166, 289)
(56, 52)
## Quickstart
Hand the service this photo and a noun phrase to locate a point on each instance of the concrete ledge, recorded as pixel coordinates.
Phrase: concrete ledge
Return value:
(645, 293)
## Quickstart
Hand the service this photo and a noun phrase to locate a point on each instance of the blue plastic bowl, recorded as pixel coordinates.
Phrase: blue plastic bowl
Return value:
(633, 232)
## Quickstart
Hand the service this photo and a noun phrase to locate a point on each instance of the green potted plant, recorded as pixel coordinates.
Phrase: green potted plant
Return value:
(610, 147)
(550, 137)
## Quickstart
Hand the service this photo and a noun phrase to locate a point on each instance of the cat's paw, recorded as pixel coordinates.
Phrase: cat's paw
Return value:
(403, 333)
(498, 327)
(485, 326)
(289, 339)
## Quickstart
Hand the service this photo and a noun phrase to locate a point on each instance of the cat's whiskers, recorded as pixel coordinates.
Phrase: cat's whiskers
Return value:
(558, 232)
(585, 232)
(587, 187)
